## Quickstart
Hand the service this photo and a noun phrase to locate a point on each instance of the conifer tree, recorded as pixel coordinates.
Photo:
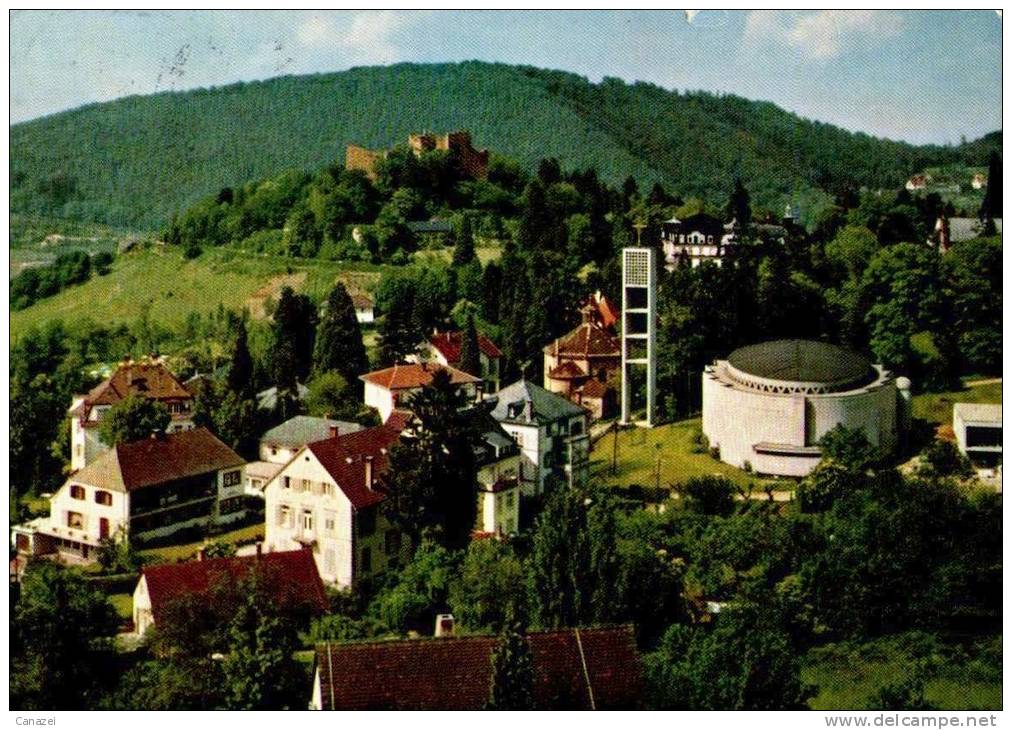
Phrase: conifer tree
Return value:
(990, 208)
(512, 673)
(463, 251)
(470, 357)
(339, 343)
(240, 371)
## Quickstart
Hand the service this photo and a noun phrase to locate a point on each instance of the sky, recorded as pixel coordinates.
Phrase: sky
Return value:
(918, 76)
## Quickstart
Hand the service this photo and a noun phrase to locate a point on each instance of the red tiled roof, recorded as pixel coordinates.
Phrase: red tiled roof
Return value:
(157, 460)
(290, 578)
(344, 458)
(568, 370)
(448, 343)
(360, 300)
(149, 378)
(455, 673)
(404, 376)
(587, 340)
(399, 419)
(608, 312)
(594, 389)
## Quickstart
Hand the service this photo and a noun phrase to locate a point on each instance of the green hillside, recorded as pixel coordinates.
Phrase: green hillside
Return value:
(137, 160)
(168, 288)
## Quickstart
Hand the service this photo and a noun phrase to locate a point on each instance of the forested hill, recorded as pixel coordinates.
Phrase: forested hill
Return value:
(137, 160)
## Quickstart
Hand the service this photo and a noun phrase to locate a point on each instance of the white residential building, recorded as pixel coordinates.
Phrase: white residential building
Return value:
(143, 489)
(391, 388)
(365, 312)
(551, 432)
(148, 377)
(326, 499)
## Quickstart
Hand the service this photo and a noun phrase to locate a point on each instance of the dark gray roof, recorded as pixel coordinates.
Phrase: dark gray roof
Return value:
(803, 361)
(548, 407)
(430, 226)
(301, 430)
(268, 399)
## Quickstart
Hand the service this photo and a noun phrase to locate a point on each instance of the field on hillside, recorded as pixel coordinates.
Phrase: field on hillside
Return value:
(958, 677)
(675, 444)
(175, 287)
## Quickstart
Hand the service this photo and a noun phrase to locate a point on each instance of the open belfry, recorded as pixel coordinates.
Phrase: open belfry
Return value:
(639, 327)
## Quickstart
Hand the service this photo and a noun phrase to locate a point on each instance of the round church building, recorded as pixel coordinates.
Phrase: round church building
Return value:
(768, 405)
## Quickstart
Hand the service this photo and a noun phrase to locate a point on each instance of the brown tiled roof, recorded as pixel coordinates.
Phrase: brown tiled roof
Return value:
(151, 461)
(607, 311)
(404, 376)
(361, 300)
(568, 370)
(399, 419)
(587, 340)
(290, 578)
(344, 458)
(149, 378)
(594, 389)
(573, 669)
(448, 343)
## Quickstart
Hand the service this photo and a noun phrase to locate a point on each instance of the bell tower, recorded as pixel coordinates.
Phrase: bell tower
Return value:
(639, 329)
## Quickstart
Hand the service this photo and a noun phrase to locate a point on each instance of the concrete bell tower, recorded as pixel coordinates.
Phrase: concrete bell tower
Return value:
(639, 328)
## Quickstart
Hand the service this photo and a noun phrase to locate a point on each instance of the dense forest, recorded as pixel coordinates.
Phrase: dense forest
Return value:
(138, 160)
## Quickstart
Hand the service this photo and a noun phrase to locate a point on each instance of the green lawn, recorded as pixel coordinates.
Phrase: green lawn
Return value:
(638, 452)
(936, 408)
(124, 604)
(848, 675)
(484, 253)
(175, 553)
(176, 287)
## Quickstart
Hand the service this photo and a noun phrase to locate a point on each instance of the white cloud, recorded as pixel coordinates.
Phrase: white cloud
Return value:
(823, 34)
(368, 35)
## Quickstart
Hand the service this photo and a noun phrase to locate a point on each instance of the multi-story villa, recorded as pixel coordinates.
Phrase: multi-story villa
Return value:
(444, 348)
(327, 499)
(550, 431)
(391, 388)
(143, 489)
(149, 378)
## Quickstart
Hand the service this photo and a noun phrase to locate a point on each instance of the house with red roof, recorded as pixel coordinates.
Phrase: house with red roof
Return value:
(148, 377)
(289, 580)
(444, 348)
(137, 490)
(327, 500)
(595, 668)
(585, 364)
(391, 388)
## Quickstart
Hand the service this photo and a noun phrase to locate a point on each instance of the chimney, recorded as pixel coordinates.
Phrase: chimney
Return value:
(368, 472)
(444, 624)
(529, 410)
(334, 430)
(201, 554)
(260, 549)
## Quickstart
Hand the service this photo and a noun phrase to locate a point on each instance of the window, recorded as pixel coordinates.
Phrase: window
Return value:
(102, 497)
(231, 478)
(576, 428)
(284, 515)
(75, 520)
(286, 482)
(329, 523)
(230, 506)
(76, 491)
(307, 521)
(366, 560)
(392, 542)
(306, 485)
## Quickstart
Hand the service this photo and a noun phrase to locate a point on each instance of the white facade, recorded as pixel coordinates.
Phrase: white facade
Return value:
(559, 446)
(766, 428)
(978, 431)
(499, 496)
(306, 507)
(380, 398)
(365, 314)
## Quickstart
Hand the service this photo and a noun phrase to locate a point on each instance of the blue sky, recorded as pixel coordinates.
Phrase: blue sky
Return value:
(921, 76)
